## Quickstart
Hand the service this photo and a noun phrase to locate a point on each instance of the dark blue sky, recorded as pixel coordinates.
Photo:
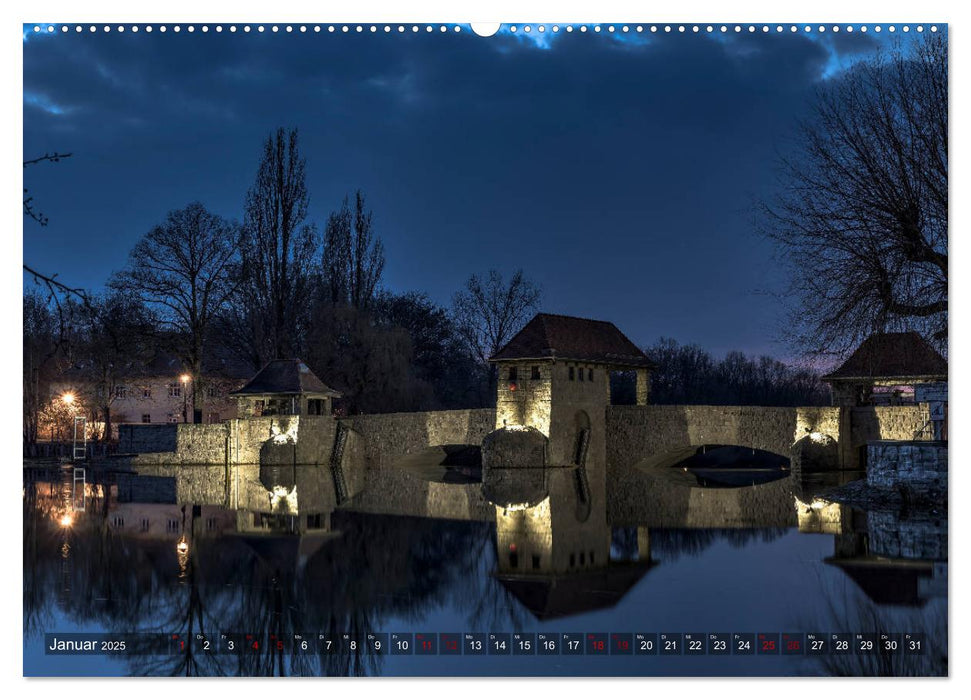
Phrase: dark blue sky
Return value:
(619, 172)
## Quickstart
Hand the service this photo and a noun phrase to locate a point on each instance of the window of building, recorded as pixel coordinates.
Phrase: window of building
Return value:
(146, 392)
(172, 525)
(258, 407)
(121, 392)
(535, 561)
(582, 559)
(513, 374)
(591, 557)
(590, 374)
(572, 373)
(118, 521)
(146, 418)
(580, 373)
(313, 521)
(144, 524)
(315, 407)
(210, 523)
(175, 390)
(573, 560)
(534, 372)
(514, 560)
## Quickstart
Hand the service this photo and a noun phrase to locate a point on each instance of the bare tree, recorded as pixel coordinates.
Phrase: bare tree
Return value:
(113, 348)
(41, 332)
(353, 258)
(278, 255)
(488, 311)
(56, 289)
(181, 269)
(862, 213)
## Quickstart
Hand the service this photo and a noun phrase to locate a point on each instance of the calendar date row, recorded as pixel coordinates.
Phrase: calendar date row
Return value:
(496, 643)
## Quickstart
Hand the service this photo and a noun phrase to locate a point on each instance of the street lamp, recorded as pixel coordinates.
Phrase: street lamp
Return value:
(185, 398)
(68, 398)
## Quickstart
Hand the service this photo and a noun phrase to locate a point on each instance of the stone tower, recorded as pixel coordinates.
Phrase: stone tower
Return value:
(552, 394)
(554, 376)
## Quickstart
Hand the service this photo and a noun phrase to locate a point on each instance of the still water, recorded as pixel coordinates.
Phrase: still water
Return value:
(138, 557)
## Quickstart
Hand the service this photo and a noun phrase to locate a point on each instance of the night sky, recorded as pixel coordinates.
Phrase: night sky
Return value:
(620, 172)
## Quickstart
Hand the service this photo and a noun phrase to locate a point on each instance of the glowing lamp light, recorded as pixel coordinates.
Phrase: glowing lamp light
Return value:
(512, 547)
(512, 386)
(66, 520)
(185, 378)
(68, 398)
(182, 547)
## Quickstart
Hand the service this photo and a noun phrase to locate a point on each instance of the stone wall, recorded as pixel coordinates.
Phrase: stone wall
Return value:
(524, 400)
(382, 439)
(888, 422)
(636, 432)
(920, 467)
(141, 439)
(639, 434)
(267, 440)
(181, 443)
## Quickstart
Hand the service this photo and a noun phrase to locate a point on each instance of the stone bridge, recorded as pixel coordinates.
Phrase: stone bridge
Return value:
(229, 463)
(644, 440)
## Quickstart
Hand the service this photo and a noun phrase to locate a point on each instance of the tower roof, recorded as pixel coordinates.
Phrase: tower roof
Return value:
(892, 355)
(551, 336)
(286, 377)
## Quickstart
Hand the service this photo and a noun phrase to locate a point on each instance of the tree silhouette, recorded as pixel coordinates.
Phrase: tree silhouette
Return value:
(862, 212)
(181, 270)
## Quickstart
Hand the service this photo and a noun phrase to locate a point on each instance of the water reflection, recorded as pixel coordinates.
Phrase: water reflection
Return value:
(197, 553)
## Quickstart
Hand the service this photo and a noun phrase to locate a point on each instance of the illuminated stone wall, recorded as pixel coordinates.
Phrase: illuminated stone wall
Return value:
(524, 400)
(279, 439)
(640, 433)
(382, 439)
(889, 422)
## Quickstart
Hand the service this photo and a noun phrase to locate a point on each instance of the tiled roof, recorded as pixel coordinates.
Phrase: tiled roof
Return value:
(569, 338)
(889, 355)
(286, 377)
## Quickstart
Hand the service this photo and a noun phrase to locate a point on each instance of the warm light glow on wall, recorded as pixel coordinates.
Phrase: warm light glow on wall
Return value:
(282, 436)
(820, 516)
(283, 500)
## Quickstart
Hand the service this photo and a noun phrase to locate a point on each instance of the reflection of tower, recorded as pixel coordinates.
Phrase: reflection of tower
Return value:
(558, 564)
(867, 548)
(549, 537)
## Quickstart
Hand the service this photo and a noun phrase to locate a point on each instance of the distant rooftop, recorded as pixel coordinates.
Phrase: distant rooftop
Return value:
(286, 377)
(890, 355)
(551, 336)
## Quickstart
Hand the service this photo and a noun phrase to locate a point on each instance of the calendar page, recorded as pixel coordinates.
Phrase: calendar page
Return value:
(516, 349)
